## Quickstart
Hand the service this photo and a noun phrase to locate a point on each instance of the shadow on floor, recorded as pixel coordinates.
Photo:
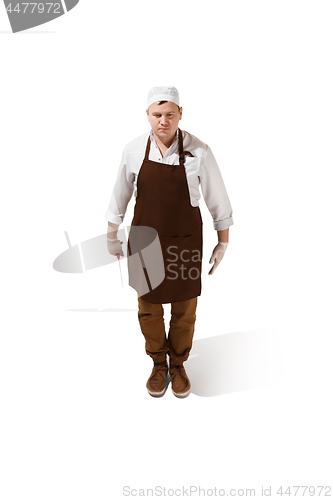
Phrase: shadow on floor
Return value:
(235, 362)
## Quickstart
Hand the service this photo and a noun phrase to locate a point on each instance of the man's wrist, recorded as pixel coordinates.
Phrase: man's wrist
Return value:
(223, 236)
(112, 230)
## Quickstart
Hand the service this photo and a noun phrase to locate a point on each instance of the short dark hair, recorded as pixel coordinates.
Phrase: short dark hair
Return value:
(162, 102)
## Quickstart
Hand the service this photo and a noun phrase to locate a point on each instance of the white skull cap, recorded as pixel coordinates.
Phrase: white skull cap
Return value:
(163, 94)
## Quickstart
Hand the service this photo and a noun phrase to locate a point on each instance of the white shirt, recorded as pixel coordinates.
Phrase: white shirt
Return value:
(201, 170)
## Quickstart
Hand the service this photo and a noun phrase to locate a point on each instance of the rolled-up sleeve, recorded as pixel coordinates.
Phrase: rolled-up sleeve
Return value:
(214, 192)
(122, 193)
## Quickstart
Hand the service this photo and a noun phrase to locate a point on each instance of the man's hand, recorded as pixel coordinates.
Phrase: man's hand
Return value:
(114, 246)
(217, 255)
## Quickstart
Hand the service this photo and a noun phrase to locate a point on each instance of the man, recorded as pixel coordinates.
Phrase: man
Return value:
(164, 169)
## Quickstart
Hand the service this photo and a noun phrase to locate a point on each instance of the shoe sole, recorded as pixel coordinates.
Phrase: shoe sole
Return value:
(182, 394)
(156, 393)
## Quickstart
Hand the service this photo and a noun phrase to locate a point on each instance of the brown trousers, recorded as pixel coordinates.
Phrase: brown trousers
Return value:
(181, 330)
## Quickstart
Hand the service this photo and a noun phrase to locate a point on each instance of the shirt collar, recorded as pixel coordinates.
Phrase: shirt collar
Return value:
(172, 148)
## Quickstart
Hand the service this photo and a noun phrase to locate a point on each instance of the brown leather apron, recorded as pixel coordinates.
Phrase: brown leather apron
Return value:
(163, 204)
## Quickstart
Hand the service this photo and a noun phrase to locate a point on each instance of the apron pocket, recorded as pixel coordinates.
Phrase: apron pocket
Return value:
(141, 237)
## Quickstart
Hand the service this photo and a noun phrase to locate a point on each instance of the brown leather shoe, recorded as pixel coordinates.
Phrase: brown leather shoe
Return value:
(156, 382)
(180, 384)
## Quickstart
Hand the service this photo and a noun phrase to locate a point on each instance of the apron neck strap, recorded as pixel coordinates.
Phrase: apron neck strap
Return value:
(181, 150)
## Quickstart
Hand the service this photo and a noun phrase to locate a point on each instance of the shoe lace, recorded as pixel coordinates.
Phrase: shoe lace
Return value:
(176, 369)
(159, 367)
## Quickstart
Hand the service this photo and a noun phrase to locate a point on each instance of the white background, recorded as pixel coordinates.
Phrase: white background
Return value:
(255, 82)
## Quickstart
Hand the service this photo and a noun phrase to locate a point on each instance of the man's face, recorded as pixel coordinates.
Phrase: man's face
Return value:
(164, 119)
